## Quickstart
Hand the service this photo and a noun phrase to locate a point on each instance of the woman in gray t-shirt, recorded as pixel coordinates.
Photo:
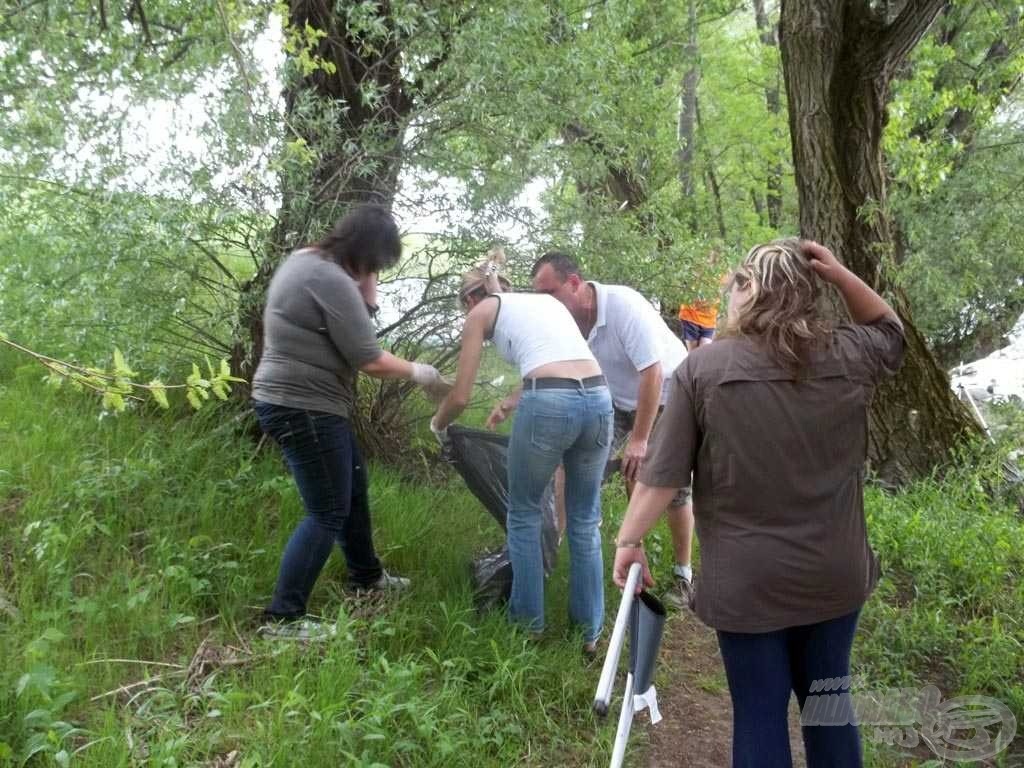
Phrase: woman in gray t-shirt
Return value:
(318, 335)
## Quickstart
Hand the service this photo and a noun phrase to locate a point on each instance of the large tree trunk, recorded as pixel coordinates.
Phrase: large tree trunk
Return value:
(356, 146)
(838, 60)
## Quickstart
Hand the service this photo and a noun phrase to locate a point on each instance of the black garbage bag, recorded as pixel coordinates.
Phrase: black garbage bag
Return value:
(481, 457)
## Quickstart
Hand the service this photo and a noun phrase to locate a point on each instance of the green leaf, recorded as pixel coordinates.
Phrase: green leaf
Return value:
(53, 635)
(113, 401)
(196, 379)
(159, 393)
(121, 368)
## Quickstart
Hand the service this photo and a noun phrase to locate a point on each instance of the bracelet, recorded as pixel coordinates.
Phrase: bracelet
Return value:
(619, 544)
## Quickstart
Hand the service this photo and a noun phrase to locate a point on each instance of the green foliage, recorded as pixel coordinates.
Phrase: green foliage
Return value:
(964, 273)
(95, 62)
(591, 102)
(82, 270)
(587, 109)
(948, 609)
(960, 77)
(953, 143)
(117, 386)
(140, 548)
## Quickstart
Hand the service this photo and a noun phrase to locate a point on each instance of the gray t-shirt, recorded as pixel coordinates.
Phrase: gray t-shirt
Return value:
(317, 334)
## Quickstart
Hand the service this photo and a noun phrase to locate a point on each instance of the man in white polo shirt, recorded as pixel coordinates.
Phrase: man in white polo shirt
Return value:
(638, 354)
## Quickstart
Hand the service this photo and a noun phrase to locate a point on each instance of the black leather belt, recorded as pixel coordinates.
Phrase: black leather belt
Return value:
(556, 382)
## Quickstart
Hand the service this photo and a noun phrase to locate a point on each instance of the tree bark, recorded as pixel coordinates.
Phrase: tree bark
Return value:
(357, 147)
(686, 131)
(773, 185)
(838, 61)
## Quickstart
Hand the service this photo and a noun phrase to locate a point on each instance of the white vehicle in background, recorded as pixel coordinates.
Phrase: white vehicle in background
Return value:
(998, 378)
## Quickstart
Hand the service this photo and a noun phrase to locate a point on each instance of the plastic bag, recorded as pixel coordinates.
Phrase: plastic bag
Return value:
(481, 458)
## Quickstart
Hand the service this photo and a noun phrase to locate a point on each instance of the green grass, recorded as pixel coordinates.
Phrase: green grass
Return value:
(132, 541)
(137, 551)
(951, 601)
(949, 610)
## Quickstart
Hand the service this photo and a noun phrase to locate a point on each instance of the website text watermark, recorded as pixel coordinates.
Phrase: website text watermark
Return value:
(961, 728)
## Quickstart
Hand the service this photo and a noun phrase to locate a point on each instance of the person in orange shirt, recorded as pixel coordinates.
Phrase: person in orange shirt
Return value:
(698, 319)
(697, 323)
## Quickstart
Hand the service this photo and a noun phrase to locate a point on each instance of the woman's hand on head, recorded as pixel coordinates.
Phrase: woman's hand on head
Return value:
(822, 260)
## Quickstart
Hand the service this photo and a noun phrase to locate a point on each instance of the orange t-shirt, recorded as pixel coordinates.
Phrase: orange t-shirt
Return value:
(702, 313)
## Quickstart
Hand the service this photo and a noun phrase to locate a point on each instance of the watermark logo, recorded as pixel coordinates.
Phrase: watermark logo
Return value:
(959, 729)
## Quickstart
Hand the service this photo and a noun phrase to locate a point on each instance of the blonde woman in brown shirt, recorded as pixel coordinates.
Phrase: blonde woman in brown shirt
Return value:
(772, 421)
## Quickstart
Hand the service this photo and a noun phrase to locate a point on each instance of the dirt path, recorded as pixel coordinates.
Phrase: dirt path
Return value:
(696, 729)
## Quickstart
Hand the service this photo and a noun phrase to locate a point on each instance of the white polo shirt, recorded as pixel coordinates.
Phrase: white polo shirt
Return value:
(629, 336)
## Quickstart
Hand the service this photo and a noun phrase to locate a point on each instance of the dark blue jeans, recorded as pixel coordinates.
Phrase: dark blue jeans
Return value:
(324, 459)
(763, 668)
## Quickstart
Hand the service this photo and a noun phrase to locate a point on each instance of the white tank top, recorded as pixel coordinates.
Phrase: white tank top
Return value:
(534, 329)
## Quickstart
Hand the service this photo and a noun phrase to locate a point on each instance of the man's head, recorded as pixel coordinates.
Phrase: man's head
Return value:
(558, 275)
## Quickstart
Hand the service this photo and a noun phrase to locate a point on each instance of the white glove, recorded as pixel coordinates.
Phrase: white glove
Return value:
(433, 383)
(424, 374)
(440, 434)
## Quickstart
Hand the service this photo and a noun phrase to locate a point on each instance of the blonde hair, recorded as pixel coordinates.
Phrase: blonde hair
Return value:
(783, 308)
(485, 276)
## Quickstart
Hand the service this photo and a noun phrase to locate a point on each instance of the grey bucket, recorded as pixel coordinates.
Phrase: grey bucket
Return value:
(645, 629)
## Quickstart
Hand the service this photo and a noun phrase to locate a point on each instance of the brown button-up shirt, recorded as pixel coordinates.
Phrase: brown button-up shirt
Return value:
(778, 472)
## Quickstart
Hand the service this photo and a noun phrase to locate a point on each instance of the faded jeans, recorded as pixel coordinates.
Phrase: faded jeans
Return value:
(572, 427)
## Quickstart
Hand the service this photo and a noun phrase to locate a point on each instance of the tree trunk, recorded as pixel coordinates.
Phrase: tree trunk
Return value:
(711, 179)
(356, 146)
(838, 60)
(686, 131)
(773, 185)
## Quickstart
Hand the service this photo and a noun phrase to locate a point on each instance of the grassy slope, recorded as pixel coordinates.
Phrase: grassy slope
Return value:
(137, 538)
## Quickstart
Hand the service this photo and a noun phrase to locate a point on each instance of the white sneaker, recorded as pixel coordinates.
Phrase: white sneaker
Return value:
(302, 630)
(386, 582)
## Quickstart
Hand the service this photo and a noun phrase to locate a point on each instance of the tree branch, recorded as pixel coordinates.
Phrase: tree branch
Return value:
(137, 7)
(906, 30)
(217, 262)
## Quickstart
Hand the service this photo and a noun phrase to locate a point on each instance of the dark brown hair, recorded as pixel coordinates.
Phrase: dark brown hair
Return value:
(364, 240)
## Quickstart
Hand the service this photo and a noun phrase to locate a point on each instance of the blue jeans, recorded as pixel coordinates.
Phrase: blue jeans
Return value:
(763, 668)
(572, 427)
(324, 460)
(690, 331)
